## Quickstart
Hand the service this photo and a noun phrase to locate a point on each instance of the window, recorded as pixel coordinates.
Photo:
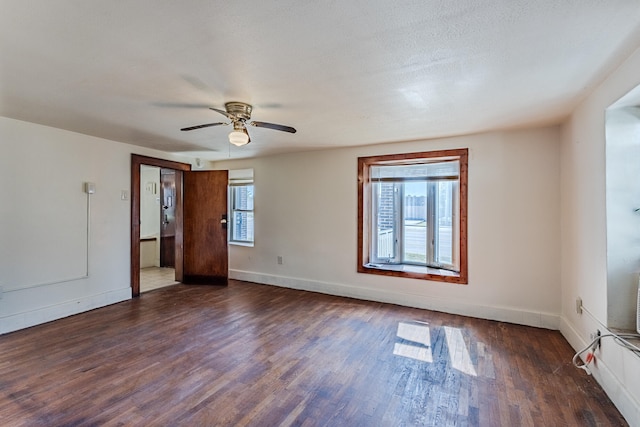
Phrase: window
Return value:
(412, 215)
(241, 207)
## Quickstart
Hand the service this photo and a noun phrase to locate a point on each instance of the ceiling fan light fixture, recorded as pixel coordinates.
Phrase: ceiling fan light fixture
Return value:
(239, 115)
(239, 137)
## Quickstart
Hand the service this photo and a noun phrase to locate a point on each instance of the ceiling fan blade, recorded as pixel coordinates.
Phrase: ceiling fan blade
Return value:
(203, 126)
(273, 126)
(180, 105)
(224, 113)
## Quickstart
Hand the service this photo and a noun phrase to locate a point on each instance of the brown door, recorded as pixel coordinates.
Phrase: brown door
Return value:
(167, 217)
(205, 227)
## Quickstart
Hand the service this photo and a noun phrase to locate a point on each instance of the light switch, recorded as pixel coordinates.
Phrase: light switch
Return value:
(124, 195)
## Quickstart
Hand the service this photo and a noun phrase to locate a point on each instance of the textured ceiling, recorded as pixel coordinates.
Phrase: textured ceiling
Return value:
(342, 73)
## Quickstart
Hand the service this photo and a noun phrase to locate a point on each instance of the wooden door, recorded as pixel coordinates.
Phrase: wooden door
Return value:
(205, 228)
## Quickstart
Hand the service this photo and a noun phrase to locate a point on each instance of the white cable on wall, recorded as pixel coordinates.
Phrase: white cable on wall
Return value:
(593, 316)
(594, 345)
(619, 336)
(72, 279)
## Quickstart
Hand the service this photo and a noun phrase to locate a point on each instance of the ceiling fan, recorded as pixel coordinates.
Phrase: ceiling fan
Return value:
(240, 113)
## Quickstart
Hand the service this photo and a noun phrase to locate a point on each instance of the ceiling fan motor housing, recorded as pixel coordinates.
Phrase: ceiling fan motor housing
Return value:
(239, 109)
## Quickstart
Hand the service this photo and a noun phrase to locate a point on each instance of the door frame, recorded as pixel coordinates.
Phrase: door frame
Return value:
(137, 161)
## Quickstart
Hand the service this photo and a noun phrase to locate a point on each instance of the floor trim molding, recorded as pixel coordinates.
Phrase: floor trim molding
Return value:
(41, 315)
(503, 314)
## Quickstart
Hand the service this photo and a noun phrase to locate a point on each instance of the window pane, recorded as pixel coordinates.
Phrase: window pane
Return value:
(242, 226)
(242, 197)
(444, 217)
(414, 223)
(241, 229)
(385, 221)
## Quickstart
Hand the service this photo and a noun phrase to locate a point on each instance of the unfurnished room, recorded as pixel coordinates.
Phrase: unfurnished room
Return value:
(365, 213)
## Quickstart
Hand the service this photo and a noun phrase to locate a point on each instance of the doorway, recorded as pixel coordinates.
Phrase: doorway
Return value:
(199, 234)
(138, 164)
(157, 227)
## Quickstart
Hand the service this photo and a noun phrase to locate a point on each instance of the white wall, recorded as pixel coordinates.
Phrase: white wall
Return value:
(43, 223)
(150, 215)
(623, 221)
(584, 238)
(306, 212)
(149, 201)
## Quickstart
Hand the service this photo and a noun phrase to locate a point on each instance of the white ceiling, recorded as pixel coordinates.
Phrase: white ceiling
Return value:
(342, 73)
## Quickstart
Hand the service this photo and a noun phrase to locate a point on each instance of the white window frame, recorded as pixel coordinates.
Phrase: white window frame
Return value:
(239, 178)
(432, 236)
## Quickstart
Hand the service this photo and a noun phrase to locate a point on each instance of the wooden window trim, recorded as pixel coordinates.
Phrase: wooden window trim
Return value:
(364, 216)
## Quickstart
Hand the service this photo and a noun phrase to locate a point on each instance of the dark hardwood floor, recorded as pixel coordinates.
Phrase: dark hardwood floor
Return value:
(258, 355)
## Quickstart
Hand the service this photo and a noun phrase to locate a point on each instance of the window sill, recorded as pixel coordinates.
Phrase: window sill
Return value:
(247, 244)
(413, 272)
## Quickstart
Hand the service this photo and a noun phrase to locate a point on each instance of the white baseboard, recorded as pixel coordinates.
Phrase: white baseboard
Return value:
(41, 315)
(503, 314)
(612, 386)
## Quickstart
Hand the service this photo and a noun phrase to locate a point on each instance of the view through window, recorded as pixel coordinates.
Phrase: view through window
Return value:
(241, 213)
(241, 223)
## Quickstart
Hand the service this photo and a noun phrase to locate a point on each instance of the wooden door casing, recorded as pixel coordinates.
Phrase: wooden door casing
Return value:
(136, 161)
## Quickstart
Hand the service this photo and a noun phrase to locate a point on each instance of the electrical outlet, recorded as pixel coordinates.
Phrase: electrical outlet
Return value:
(279, 260)
(579, 305)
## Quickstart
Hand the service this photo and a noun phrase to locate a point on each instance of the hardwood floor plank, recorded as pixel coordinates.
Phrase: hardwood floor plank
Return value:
(255, 355)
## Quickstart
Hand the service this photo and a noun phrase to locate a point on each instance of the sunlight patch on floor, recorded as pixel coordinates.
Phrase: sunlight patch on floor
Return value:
(413, 352)
(417, 345)
(458, 352)
(419, 335)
